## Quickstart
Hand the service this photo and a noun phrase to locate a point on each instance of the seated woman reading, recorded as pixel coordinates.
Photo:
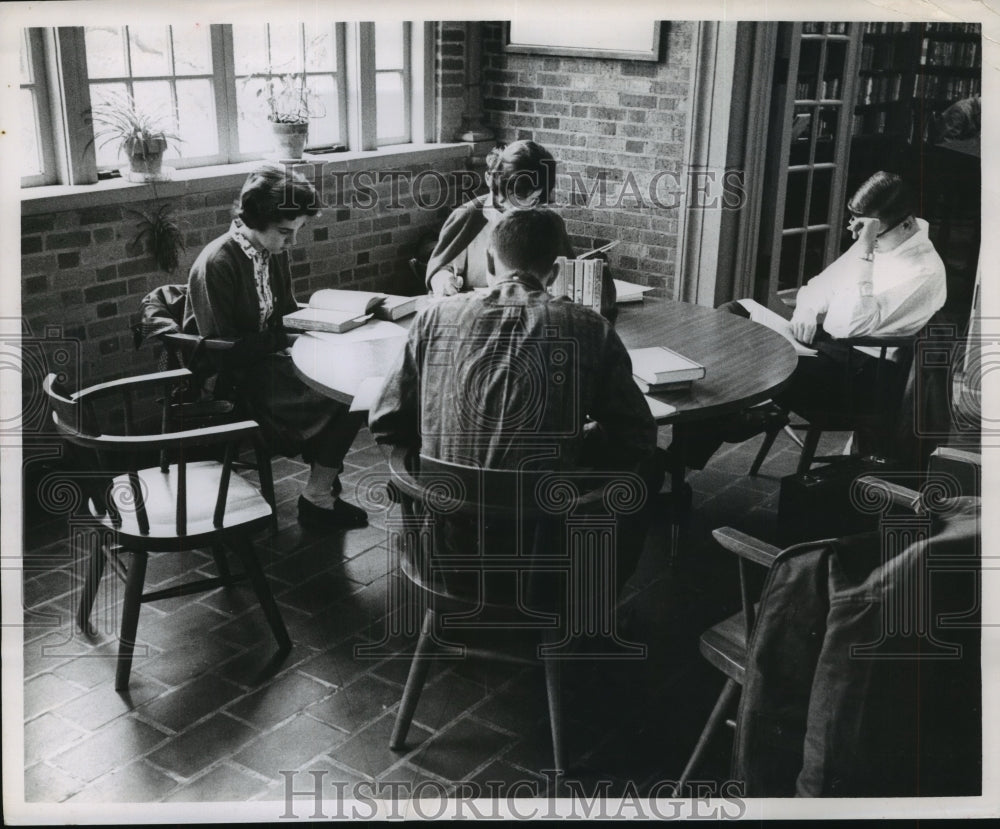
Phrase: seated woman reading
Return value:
(889, 283)
(520, 175)
(239, 288)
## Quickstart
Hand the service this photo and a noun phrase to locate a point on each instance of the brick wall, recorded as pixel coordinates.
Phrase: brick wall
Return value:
(449, 80)
(83, 271)
(626, 122)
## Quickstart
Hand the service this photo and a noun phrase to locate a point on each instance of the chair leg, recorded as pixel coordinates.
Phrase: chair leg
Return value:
(248, 556)
(130, 618)
(809, 447)
(769, 437)
(414, 682)
(219, 554)
(553, 689)
(92, 580)
(715, 719)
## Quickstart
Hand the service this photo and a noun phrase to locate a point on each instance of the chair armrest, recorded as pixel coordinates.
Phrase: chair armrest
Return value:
(899, 496)
(159, 377)
(746, 546)
(879, 342)
(206, 436)
(402, 479)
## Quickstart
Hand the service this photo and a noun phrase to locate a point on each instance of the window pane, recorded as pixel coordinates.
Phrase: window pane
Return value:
(828, 117)
(788, 268)
(388, 45)
(321, 49)
(286, 48)
(149, 50)
(196, 118)
(253, 130)
(798, 149)
(819, 201)
(249, 49)
(192, 50)
(389, 112)
(325, 128)
(105, 146)
(795, 199)
(815, 253)
(31, 159)
(25, 58)
(105, 51)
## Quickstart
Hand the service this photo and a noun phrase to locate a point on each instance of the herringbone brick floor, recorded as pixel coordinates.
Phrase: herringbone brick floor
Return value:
(207, 716)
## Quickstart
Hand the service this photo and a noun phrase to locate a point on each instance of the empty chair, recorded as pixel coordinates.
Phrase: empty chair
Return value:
(180, 504)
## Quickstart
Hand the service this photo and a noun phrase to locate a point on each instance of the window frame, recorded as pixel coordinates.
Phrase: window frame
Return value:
(34, 42)
(67, 138)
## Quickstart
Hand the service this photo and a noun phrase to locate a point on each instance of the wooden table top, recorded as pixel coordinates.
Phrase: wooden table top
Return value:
(745, 363)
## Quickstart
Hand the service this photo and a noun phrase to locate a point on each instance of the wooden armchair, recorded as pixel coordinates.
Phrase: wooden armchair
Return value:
(858, 410)
(177, 505)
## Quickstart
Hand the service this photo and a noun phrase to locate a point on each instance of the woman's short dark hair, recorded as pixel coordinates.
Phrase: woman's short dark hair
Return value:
(273, 194)
(886, 197)
(523, 174)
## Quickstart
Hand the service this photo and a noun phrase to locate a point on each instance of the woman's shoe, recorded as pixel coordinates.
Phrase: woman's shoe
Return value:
(343, 516)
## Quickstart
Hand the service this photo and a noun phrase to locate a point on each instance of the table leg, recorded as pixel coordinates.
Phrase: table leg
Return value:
(680, 493)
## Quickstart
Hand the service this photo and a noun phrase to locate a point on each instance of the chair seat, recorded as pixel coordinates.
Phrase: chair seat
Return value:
(244, 503)
(725, 647)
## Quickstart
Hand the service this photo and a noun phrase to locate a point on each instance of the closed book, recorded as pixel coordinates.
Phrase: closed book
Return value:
(658, 365)
(334, 311)
(396, 307)
(655, 388)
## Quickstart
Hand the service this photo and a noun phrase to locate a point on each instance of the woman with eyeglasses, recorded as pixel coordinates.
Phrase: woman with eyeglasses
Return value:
(519, 175)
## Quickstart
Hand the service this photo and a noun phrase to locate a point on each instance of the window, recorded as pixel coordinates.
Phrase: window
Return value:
(36, 121)
(213, 84)
(392, 82)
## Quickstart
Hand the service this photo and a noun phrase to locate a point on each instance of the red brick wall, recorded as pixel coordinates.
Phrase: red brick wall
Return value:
(629, 119)
(83, 271)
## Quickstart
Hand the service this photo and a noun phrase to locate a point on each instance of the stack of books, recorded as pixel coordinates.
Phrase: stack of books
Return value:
(581, 280)
(338, 311)
(659, 368)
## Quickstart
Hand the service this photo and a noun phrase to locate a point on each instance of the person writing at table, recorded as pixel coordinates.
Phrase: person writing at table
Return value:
(239, 288)
(889, 283)
(520, 175)
(516, 377)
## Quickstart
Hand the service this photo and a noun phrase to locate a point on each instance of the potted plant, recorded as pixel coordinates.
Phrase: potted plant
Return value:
(289, 105)
(141, 134)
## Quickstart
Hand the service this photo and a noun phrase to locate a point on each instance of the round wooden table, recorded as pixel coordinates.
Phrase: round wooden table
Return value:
(745, 363)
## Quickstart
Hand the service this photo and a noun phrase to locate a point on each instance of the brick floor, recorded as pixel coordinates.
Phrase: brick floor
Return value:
(208, 717)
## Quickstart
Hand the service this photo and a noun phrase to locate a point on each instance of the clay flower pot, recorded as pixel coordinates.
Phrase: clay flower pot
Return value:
(146, 154)
(290, 138)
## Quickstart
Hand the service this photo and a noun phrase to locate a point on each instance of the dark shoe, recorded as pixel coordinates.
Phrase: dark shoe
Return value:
(343, 516)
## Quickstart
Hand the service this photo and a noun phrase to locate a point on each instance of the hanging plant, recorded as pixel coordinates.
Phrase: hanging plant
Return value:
(163, 235)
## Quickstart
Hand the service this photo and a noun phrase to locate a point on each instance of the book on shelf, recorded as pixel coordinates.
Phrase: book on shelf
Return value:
(334, 310)
(395, 307)
(658, 368)
(581, 280)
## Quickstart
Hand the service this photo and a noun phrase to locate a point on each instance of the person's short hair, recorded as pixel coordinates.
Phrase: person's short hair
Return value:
(886, 197)
(522, 174)
(528, 240)
(273, 194)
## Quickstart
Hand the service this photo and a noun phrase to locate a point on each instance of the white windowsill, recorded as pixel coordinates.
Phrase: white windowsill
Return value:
(58, 197)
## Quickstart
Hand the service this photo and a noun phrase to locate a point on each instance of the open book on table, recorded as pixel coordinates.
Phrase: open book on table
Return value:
(658, 368)
(334, 310)
(765, 316)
